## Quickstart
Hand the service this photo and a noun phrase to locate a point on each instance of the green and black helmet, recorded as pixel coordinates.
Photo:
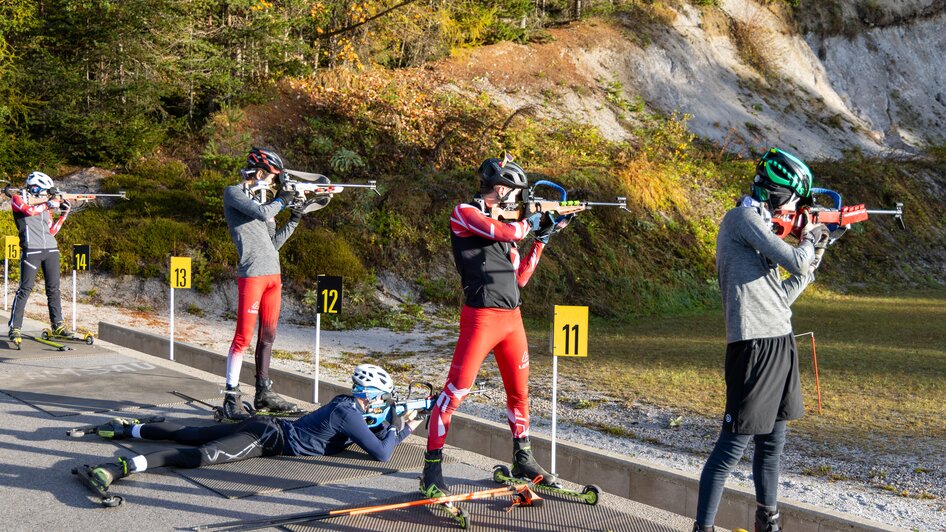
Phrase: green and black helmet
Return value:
(781, 177)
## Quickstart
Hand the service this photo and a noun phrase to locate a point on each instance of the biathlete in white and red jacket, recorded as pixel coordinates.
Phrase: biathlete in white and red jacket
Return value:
(492, 272)
(37, 231)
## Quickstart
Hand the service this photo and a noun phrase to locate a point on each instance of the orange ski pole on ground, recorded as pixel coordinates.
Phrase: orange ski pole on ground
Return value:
(522, 495)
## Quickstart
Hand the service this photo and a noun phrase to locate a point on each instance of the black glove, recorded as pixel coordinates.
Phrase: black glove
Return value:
(545, 230)
(286, 196)
(65, 206)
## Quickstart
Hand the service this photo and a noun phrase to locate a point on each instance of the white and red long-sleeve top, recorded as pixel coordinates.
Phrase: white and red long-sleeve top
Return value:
(35, 224)
(484, 249)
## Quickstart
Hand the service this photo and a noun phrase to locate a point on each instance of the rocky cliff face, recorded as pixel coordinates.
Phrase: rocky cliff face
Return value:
(824, 79)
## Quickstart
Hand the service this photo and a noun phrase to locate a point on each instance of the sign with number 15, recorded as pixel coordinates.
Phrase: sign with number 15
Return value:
(11, 248)
(180, 272)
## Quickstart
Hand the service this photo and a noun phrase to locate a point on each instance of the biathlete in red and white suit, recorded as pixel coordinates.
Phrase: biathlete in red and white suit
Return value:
(492, 272)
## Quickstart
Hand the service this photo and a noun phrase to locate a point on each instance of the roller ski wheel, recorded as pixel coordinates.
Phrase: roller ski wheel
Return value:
(459, 515)
(589, 494)
(106, 499)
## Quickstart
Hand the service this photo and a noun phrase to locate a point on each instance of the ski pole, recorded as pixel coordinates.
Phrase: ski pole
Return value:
(522, 495)
(814, 353)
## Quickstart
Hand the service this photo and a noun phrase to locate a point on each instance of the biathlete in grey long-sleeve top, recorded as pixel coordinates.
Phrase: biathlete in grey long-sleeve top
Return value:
(252, 226)
(37, 230)
(763, 389)
(329, 430)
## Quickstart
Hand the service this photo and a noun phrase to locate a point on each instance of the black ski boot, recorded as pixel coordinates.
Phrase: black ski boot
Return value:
(524, 465)
(105, 474)
(233, 405)
(698, 528)
(267, 400)
(432, 484)
(766, 521)
(118, 428)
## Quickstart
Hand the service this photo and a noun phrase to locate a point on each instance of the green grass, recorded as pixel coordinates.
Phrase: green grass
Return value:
(881, 361)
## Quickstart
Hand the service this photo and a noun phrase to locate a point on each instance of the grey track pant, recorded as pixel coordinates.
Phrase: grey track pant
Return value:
(30, 264)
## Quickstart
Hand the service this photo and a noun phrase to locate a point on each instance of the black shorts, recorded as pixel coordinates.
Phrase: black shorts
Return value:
(762, 384)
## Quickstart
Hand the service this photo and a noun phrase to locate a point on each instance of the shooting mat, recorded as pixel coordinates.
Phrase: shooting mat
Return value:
(271, 474)
(69, 385)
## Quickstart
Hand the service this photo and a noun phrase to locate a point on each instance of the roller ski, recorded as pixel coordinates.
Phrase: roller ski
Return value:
(521, 495)
(60, 333)
(99, 478)
(118, 428)
(433, 486)
(526, 470)
(16, 338)
(50, 343)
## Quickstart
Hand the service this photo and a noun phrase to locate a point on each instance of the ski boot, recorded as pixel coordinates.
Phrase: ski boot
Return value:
(118, 428)
(99, 478)
(432, 484)
(766, 521)
(698, 528)
(267, 400)
(59, 332)
(16, 337)
(232, 409)
(525, 467)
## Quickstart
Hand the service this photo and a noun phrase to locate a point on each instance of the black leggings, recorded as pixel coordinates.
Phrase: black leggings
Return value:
(217, 443)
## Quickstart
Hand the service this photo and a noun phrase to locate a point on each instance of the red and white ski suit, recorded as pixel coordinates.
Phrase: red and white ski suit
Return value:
(492, 272)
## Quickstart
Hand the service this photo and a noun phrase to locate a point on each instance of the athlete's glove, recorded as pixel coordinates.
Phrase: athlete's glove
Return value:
(820, 247)
(544, 232)
(563, 223)
(815, 233)
(65, 207)
(535, 221)
(286, 196)
(53, 204)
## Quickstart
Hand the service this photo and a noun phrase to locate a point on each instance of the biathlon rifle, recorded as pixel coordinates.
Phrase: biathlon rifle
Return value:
(838, 218)
(423, 403)
(531, 204)
(71, 197)
(314, 191)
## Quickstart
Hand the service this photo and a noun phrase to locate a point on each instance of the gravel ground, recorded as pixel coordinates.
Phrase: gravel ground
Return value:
(854, 479)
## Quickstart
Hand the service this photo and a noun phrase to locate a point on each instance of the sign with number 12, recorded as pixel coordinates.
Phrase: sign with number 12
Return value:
(329, 298)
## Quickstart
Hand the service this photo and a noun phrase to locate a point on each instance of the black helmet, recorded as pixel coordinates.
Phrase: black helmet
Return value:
(780, 176)
(501, 172)
(265, 159)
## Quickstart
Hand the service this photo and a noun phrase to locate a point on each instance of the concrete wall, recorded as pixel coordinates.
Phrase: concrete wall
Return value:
(627, 477)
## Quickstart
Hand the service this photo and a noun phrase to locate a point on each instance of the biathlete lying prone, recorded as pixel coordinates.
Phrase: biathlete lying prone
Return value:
(328, 430)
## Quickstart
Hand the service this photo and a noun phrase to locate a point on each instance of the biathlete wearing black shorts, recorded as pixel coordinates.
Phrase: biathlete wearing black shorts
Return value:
(763, 388)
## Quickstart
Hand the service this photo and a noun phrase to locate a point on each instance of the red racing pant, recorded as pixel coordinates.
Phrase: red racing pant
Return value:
(259, 301)
(483, 330)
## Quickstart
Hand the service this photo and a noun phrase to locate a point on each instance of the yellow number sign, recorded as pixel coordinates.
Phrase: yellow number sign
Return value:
(180, 272)
(11, 247)
(570, 332)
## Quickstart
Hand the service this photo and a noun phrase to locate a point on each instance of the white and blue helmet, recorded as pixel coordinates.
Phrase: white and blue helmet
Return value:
(370, 382)
(39, 180)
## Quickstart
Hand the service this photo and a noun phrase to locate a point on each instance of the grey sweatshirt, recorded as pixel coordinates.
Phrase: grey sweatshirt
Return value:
(756, 301)
(253, 229)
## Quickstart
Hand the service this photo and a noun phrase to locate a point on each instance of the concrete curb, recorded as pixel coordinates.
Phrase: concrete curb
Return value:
(624, 476)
